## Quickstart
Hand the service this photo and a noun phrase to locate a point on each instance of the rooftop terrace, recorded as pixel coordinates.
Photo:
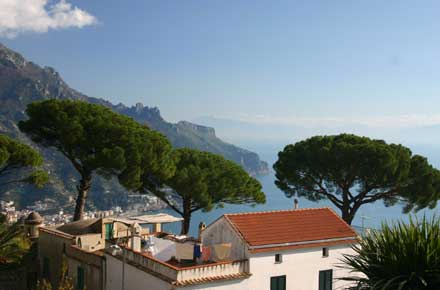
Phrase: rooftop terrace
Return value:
(179, 274)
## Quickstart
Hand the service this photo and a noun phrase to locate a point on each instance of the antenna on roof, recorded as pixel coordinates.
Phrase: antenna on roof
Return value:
(363, 218)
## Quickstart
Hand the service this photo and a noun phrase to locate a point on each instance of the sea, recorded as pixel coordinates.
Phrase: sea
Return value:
(369, 216)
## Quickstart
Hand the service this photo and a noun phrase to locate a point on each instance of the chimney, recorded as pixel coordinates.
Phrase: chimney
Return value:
(32, 224)
(136, 237)
(295, 204)
(157, 228)
(202, 226)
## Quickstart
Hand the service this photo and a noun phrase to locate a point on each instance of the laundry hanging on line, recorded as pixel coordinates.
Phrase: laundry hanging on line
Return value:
(222, 251)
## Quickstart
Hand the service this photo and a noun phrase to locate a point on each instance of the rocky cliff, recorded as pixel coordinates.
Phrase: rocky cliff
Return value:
(23, 82)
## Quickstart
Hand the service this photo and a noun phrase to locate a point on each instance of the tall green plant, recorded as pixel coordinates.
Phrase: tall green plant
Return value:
(402, 256)
(351, 171)
(98, 141)
(66, 282)
(205, 180)
(13, 244)
(20, 163)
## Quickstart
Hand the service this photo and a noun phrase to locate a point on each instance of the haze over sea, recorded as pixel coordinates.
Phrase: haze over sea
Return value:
(374, 214)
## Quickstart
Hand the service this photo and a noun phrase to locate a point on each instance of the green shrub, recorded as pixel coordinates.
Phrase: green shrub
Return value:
(401, 256)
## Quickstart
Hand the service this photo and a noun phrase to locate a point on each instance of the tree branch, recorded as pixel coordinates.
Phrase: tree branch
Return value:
(72, 159)
(162, 197)
(324, 192)
(363, 193)
(196, 208)
(373, 198)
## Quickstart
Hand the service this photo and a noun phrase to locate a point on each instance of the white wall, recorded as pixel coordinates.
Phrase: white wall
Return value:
(135, 279)
(301, 268)
(223, 285)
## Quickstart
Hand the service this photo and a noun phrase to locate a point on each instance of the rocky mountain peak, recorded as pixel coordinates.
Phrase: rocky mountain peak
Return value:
(11, 58)
(209, 131)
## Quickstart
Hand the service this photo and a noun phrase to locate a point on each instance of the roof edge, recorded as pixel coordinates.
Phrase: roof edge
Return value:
(308, 246)
(278, 210)
(303, 243)
(250, 247)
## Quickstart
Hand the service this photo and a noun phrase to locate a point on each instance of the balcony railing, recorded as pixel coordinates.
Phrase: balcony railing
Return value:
(183, 273)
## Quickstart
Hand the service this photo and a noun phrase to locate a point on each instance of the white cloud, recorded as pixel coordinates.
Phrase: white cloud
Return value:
(21, 16)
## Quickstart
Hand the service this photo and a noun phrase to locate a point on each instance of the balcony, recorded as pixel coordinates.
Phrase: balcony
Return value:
(184, 275)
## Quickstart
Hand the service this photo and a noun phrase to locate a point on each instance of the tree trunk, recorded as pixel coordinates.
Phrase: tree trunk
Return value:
(186, 217)
(83, 189)
(348, 215)
(347, 211)
(185, 224)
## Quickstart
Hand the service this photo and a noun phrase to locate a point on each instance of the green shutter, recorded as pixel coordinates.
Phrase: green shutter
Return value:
(321, 280)
(282, 283)
(278, 283)
(273, 283)
(80, 278)
(108, 231)
(326, 280)
(329, 281)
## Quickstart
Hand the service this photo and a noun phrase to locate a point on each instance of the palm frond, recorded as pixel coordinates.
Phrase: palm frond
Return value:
(403, 256)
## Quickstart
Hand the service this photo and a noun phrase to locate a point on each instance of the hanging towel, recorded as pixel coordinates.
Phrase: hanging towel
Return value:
(222, 251)
(184, 251)
(206, 254)
(197, 251)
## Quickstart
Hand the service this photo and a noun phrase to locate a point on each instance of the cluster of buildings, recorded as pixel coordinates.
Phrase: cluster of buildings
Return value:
(8, 209)
(276, 250)
(12, 214)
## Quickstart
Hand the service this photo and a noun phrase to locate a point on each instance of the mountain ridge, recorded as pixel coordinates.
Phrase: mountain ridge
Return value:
(23, 82)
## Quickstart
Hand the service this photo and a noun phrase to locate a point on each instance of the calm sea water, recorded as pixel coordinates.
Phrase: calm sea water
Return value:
(372, 215)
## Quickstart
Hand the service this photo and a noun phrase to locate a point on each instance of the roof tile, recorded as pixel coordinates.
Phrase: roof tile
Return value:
(290, 226)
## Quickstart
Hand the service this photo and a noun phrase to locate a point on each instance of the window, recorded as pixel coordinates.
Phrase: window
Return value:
(324, 252)
(108, 231)
(278, 283)
(278, 258)
(80, 278)
(326, 280)
(46, 268)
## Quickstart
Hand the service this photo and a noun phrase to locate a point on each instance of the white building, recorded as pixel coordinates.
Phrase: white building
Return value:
(276, 250)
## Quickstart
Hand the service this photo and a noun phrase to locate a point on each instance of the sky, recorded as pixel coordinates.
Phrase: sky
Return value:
(278, 64)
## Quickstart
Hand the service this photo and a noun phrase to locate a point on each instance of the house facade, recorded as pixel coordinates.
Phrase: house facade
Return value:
(276, 250)
(78, 247)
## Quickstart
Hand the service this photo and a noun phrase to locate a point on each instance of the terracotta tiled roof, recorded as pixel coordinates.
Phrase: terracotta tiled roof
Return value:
(291, 228)
(196, 281)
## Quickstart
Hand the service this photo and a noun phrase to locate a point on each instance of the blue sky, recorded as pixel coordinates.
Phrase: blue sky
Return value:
(274, 62)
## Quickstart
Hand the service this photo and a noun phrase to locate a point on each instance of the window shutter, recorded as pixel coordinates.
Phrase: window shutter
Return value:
(321, 280)
(329, 280)
(80, 278)
(326, 280)
(282, 285)
(278, 283)
(108, 231)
